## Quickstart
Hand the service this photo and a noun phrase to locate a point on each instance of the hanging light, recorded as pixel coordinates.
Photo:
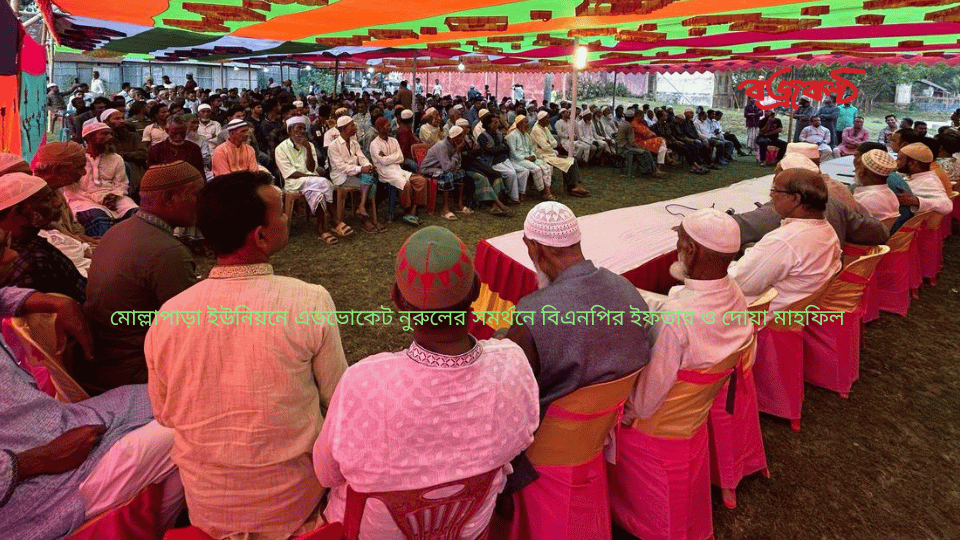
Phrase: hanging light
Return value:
(265, 69)
(309, 68)
(236, 68)
(370, 70)
(461, 67)
(580, 61)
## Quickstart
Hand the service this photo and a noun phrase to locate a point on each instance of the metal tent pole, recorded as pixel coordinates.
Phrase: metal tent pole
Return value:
(614, 106)
(573, 108)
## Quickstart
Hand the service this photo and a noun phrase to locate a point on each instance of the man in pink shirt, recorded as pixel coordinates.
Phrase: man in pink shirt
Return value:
(851, 138)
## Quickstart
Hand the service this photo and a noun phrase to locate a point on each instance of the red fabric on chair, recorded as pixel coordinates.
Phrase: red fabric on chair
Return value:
(736, 444)
(930, 246)
(137, 519)
(778, 373)
(330, 531)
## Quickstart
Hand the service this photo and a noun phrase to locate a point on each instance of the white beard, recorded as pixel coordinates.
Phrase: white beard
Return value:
(543, 280)
(679, 271)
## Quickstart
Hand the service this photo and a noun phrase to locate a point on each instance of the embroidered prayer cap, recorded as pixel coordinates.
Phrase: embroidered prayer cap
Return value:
(918, 151)
(169, 175)
(429, 111)
(455, 132)
(879, 161)
(713, 230)
(11, 163)
(93, 127)
(552, 224)
(462, 122)
(434, 269)
(341, 111)
(482, 113)
(542, 114)
(204, 107)
(237, 123)
(344, 121)
(18, 187)
(58, 152)
(809, 150)
(406, 114)
(798, 161)
(298, 103)
(106, 114)
(294, 120)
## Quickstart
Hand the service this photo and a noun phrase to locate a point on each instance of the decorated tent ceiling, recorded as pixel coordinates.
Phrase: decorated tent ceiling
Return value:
(505, 35)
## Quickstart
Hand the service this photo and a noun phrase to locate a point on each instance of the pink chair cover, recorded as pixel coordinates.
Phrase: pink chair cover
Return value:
(831, 349)
(930, 248)
(138, 519)
(893, 283)
(660, 488)
(736, 444)
(778, 372)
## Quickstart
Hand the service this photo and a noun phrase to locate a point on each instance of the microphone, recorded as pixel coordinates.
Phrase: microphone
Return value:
(758, 204)
(731, 211)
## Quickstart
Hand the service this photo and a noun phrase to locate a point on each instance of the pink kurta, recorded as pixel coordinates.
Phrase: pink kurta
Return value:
(228, 158)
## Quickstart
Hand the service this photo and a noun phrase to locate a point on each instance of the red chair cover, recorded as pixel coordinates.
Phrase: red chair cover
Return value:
(137, 519)
(330, 531)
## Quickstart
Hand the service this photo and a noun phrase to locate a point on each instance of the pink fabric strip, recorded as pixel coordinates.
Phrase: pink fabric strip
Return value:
(854, 278)
(695, 377)
(563, 414)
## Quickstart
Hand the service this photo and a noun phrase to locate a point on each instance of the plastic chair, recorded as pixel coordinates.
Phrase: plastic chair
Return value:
(895, 273)
(419, 152)
(570, 500)
(831, 348)
(290, 199)
(330, 531)
(946, 224)
(421, 514)
(660, 484)
(736, 444)
(930, 247)
(39, 337)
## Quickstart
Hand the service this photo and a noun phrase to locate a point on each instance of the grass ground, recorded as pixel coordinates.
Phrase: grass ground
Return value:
(881, 465)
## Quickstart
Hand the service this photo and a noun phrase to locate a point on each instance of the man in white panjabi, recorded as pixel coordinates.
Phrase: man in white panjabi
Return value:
(588, 134)
(298, 163)
(478, 127)
(522, 154)
(816, 134)
(387, 157)
(873, 193)
(581, 151)
(447, 408)
(914, 161)
(208, 128)
(802, 254)
(545, 147)
(430, 127)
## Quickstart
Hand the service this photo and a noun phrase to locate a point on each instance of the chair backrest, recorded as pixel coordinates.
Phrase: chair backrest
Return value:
(38, 330)
(762, 303)
(845, 290)
(424, 514)
(932, 221)
(576, 426)
(419, 152)
(688, 402)
(901, 240)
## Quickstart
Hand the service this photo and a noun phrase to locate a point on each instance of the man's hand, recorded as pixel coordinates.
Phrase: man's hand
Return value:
(367, 169)
(531, 159)
(65, 453)
(110, 201)
(906, 199)
(382, 154)
(70, 319)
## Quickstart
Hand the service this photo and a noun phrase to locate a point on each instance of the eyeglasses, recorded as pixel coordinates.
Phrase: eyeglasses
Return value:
(774, 190)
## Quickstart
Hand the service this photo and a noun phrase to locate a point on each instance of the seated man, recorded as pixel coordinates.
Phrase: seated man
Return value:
(851, 138)
(27, 205)
(670, 132)
(581, 151)
(769, 135)
(712, 136)
(349, 168)
(627, 145)
(438, 407)
(443, 162)
(235, 154)
(138, 266)
(60, 164)
(928, 192)
(495, 152)
(708, 240)
(873, 194)
(246, 401)
(61, 463)
(176, 147)
(99, 199)
(302, 172)
(729, 137)
(818, 135)
(545, 145)
(387, 157)
(799, 256)
(588, 134)
(646, 138)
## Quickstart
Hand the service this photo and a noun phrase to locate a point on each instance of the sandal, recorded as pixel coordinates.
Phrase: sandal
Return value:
(328, 238)
(368, 228)
(499, 212)
(412, 220)
(342, 230)
(466, 211)
(450, 216)
(381, 227)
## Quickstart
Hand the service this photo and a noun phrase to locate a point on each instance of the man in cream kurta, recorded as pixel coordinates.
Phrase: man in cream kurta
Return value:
(522, 155)
(291, 158)
(928, 191)
(581, 150)
(387, 158)
(545, 146)
(246, 401)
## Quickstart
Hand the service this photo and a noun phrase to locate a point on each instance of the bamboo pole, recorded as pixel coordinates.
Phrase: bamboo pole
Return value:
(573, 108)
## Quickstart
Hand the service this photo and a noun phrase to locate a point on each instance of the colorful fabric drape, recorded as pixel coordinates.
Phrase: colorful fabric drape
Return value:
(23, 64)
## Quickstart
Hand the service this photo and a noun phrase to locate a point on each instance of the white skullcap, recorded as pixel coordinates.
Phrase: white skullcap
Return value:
(51, 85)
(809, 150)
(293, 120)
(106, 114)
(18, 187)
(606, 108)
(458, 106)
(311, 96)
(343, 121)
(429, 111)
(340, 111)
(93, 127)
(482, 113)
(688, 109)
(713, 230)
(798, 161)
(204, 107)
(918, 151)
(236, 123)
(298, 103)
(455, 132)
(629, 113)
(406, 114)
(552, 224)
(542, 114)
(462, 122)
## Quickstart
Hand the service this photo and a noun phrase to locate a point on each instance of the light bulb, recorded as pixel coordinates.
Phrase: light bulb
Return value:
(581, 59)
(461, 67)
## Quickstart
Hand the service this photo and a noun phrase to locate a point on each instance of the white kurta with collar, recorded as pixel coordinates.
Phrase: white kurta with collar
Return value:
(927, 187)
(388, 165)
(879, 201)
(345, 160)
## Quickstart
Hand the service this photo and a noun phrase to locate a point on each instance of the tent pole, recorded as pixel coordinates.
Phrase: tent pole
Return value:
(336, 75)
(614, 106)
(413, 83)
(496, 85)
(249, 78)
(573, 108)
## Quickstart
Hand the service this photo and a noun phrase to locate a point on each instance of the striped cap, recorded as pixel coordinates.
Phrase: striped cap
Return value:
(434, 269)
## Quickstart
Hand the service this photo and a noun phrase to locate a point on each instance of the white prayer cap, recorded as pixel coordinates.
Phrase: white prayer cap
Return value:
(462, 122)
(809, 150)
(340, 111)
(629, 113)
(51, 85)
(542, 114)
(294, 120)
(455, 132)
(688, 109)
(93, 127)
(204, 107)
(606, 108)
(106, 114)
(552, 224)
(311, 97)
(713, 230)
(406, 114)
(459, 106)
(798, 161)
(18, 187)
(343, 121)
(298, 103)
(482, 113)
(237, 123)
(429, 111)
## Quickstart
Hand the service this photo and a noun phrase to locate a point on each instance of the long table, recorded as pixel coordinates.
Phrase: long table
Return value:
(638, 243)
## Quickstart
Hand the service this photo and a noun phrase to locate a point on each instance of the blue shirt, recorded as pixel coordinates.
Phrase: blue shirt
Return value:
(898, 184)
